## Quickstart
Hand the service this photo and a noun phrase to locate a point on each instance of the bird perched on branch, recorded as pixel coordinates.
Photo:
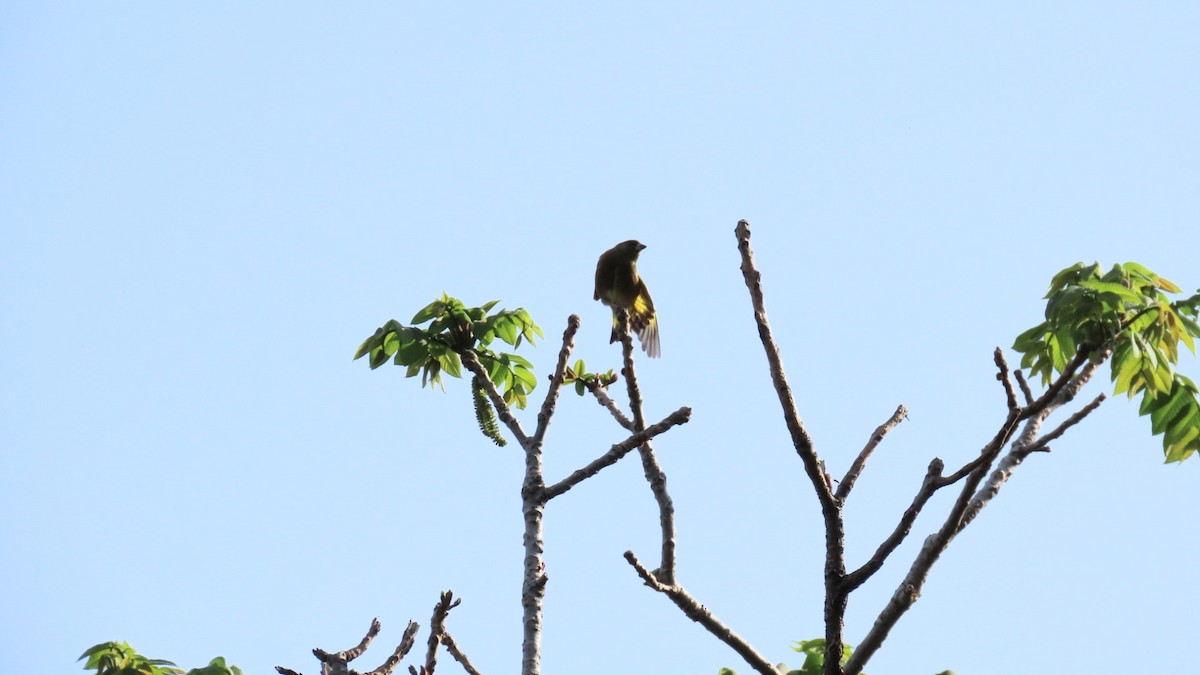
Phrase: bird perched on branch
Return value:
(619, 286)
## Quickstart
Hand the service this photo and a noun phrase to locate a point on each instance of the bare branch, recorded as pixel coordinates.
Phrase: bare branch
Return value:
(929, 485)
(973, 497)
(701, 615)
(615, 453)
(836, 596)
(800, 438)
(437, 627)
(1052, 393)
(556, 380)
(603, 399)
(1005, 380)
(1024, 386)
(860, 462)
(1043, 444)
(1067, 387)
(910, 588)
(452, 647)
(350, 654)
(650, 467)
(406, 643)
(333, 664)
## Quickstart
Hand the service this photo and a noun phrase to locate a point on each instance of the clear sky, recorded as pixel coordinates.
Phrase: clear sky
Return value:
(206, 207)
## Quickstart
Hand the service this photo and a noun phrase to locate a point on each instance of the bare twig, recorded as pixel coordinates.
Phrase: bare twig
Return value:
(800, 438)
(452, 647)
(1024, 386)
(336, 663)
(1020, 449)
(437, 627)
(701, 614)
(406, 643)
(650, 467)
(556, 381)
(1005, 380)
(1043, 443)
(860, 462)
(605, 400)
(615, 453)
(351, 654)
(1052, 393)
(929, 485)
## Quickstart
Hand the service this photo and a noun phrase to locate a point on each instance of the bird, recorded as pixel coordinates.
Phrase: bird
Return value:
(619, 286)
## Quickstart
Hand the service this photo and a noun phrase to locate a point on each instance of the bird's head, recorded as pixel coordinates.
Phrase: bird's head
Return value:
(631, 248)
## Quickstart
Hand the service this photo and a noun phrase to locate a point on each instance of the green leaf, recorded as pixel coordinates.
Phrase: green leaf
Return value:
(513, 358)
(526, 377)
(1031, 340)
(1184, 427)
(507, 330)
(1114, 289)
(451, 364)
(369, 344)
(1167, 408)
(1166, 285)
(391, 342)
(378, 358)
(433, 309)
(1125, 371)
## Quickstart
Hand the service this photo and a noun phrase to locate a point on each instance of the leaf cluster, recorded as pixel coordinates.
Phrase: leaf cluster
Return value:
(1128, 310)
(453, 330)
(119, 658)
(579, 376)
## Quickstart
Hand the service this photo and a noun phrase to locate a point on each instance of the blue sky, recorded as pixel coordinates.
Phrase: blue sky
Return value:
(207, 208)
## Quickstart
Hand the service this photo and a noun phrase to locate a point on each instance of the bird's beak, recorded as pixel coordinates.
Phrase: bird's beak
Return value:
(641, 247)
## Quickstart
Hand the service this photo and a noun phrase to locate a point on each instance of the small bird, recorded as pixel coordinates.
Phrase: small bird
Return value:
(619, 286)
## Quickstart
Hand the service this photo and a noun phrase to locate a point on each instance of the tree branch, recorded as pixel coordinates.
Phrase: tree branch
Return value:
(406, 643)
(701, 614)
(910, 588)
(437, 627)
(800, 438)
(836, 596)
(556, 380)
(452, 647)
(860, 462)
(1005, 380)
(1024, 386)
(604, 400)
(972, 497)
(929, 485)
(1056, 386)
(650, 467)
(615, 453)
(1068, 388)
(1043, 444)
(336, 663)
